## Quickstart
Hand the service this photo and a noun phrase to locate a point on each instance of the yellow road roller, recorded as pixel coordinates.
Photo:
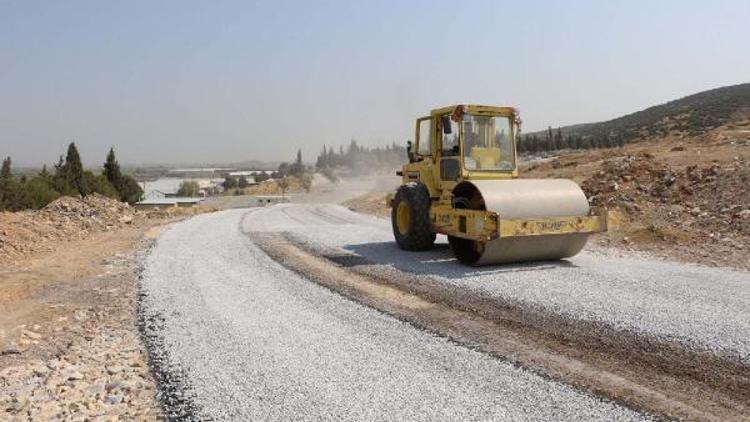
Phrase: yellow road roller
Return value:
(462, 181)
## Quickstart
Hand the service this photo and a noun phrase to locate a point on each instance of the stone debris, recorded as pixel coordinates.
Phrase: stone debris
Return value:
(712, 198)
(707, 204)
(76, 386)
(89, 364)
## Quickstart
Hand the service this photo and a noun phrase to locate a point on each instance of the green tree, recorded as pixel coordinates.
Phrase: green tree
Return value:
(284, 169)
(322, 161)
(242, 182)
(73, 170)
(127, 188)
(60, 179)
(98, 183)
(5, 172)
(38, 191)
(298, 168)
(130, 190)
(12, 195)
(189, 188)
(7, 186)
(230, 182)
(44, 174)
(112, 169)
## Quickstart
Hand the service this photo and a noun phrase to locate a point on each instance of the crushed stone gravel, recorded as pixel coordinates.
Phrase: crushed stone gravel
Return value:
(702, 307)
(246, 339)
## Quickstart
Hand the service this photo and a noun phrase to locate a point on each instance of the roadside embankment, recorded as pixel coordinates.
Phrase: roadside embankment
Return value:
(70, 347)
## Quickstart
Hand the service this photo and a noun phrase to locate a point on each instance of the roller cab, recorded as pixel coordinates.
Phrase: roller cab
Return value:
(462, 181)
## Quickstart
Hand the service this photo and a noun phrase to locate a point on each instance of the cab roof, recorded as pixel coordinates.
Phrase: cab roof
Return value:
(477, 109)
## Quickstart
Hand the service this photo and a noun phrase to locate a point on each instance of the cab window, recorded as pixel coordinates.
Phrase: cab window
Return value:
(489, 143)
(449, 139)
(425, 138)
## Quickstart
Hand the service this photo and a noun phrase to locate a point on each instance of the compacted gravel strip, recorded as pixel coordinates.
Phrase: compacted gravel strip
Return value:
(703, 308)
(247, 339)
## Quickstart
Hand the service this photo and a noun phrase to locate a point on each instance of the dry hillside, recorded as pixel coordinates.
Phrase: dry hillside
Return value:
(684, 197)
(690, 116)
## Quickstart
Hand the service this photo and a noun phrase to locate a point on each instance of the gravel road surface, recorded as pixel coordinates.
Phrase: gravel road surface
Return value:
(704, 308)
(237, 336)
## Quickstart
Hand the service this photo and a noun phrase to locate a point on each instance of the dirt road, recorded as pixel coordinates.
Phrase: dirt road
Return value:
(309, 311)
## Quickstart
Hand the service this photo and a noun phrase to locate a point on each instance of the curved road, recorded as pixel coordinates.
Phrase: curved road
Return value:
(254, 341)
(705, 308)
(238, 336)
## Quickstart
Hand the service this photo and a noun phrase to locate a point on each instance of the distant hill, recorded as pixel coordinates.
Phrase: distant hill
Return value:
(689, 116)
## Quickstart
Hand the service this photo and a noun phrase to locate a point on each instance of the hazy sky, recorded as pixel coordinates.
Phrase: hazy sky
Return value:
(215, 81)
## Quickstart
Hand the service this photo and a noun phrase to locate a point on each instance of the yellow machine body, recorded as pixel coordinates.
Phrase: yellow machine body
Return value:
(476, 198)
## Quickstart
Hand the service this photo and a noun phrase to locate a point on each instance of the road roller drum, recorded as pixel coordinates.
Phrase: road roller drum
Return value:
(521, 199)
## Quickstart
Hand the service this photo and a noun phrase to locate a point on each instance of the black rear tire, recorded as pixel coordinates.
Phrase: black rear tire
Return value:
(417, 235)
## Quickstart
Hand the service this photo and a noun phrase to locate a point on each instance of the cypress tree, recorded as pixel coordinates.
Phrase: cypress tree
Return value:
(44, 174)
(10, 195)
(112, 170)
(74, 170)
(5, 173)
(5, 176)
(298, 168)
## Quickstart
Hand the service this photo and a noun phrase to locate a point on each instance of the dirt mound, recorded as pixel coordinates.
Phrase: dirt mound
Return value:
(710, 198)
(372, 203)
(271, 187)
(697, 209)
(67, 218)
(95, 208)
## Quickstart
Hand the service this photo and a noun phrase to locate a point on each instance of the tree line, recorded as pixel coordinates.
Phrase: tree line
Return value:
(554, 141)
(68, 178)
(357, 157)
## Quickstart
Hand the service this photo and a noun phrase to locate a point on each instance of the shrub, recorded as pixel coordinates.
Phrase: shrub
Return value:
(130, 190)
(189, 188)
(99, 184)
(38, 192)
(230, 182)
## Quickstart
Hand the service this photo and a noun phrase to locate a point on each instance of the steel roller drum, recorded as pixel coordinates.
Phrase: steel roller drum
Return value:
(527, 198)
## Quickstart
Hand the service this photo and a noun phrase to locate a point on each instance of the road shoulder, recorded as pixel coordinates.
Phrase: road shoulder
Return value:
(70, 343)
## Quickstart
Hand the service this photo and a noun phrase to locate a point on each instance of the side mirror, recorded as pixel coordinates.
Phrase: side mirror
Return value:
(445, 121)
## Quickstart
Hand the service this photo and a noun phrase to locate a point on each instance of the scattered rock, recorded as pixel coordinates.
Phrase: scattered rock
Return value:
(73, 375)
(114, 369)
(12, 348)
(32, 335)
